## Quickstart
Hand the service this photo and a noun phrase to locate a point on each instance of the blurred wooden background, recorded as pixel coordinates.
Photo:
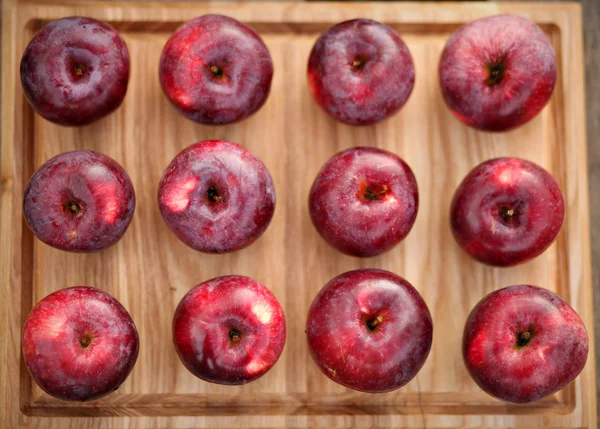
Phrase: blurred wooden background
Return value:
(591, 25)
(591, 20)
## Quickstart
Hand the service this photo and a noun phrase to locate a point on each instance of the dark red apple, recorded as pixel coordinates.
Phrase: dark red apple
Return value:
(229, 330)
(75, 70)
(369, 330)
(506, 211)
(79, 344)
(80, 201)
(364, 201)
(498, 72)
(216, 196)
(216, 70)
(360, 72)
(523, 343)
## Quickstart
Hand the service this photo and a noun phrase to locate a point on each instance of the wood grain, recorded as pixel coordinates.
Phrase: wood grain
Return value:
(150, 270)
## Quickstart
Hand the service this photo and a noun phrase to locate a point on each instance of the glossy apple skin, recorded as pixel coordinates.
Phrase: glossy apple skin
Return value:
(524, 371)
(478, 211)
(98, 186)
(54, 347)
(360, 72)
(208, 317)
(526, 78)
(348, 351)
(216, 196)
(364, 201)
(51, 80)
(244, 70)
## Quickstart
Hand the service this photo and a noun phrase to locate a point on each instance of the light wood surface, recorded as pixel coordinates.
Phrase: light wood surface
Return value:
(150, 270)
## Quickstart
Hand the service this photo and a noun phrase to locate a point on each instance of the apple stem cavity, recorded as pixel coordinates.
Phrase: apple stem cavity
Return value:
(373, 323)
(374, 194)
(234, 335)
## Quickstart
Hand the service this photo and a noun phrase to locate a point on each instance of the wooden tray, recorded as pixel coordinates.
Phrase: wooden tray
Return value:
(150, 270)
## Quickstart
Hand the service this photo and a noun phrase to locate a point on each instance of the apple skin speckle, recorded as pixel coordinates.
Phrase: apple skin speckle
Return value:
(55, 356)
(211, 313)
(521, 55)
(75, 71)
(555, 353)
(79, 201)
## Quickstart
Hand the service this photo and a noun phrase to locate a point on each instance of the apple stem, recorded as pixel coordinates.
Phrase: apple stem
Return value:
(213, 195)
(79, 70)
(523, 338)
(371, 194)
(73, 207)
(216, 71)
(234, 335)
(508, 213)
(372, 324)
(84, 341)
(495, 73)
(358, 63)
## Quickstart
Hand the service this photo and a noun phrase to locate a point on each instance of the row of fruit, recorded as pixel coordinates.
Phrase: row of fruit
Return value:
(369, 330)
(216, 70)
(218, 197)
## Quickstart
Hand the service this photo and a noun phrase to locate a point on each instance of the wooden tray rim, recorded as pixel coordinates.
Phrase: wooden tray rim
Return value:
(560, 15)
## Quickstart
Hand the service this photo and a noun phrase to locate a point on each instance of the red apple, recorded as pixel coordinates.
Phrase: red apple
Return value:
(216, 196)
(506, 211)
(229, 330)
(79, 344)
(75, 70)
(369, 330)
(216, 70)
(361, 72)
(523, 343)
(364, 201)
(80, 201)
(498, 72)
